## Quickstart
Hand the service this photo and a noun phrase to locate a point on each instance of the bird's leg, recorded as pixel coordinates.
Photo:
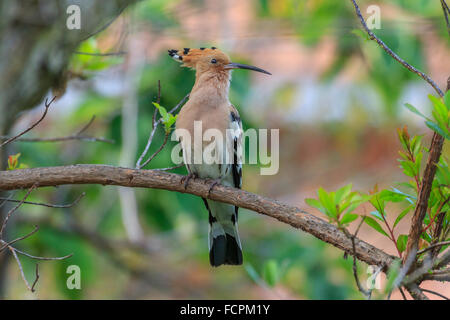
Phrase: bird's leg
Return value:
(187, 178)
(214, 183)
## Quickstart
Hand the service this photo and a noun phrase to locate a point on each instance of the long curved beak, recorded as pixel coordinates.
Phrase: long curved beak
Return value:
(234, 65)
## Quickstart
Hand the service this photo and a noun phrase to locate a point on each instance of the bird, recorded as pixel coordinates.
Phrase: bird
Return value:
(209, 103)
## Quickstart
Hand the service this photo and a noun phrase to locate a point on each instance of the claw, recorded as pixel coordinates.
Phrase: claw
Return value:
(215, 183)
(187, 178)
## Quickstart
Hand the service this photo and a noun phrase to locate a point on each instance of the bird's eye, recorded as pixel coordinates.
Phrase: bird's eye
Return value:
(213, 61)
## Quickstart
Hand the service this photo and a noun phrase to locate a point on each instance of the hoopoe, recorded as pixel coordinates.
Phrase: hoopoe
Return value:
(208, 103)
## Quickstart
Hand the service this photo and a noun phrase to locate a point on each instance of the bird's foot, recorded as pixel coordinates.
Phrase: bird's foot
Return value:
(213, 184)
(187, 178)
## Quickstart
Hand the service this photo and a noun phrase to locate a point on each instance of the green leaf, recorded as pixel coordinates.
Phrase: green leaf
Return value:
(392, 274)
(408, 168)
(413, 109)
(401, 242)
(327, 201)
(388, 195)
(315, 204)
(435, 127)
(425, 236)
(409, 185)
(252, 273)
(348, 217)
(447, 100)
(439, 107)
(416, 144)
(418, 163)
(378, 203)
(401, 216)
(371, 222)
(162, 112)
(360, 33)
(377, 215)
(270, 272)
(342, 193)
(167, 119)
(353, 205)
(407, 195)
(13, 161)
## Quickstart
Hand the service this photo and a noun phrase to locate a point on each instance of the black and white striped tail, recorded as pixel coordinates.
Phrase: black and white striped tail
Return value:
(224, 243)
(225, 249)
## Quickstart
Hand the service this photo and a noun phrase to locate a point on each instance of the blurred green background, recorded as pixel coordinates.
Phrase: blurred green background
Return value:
(336, 98)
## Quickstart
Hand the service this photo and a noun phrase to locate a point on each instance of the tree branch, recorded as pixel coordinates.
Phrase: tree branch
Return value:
(416, 292)
(110, 175)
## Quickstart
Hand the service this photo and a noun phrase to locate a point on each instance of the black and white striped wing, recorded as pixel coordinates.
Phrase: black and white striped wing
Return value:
(237, 134)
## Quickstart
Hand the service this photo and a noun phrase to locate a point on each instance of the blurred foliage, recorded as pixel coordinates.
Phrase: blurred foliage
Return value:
(275, 256)
(314, 20)
(89, 59)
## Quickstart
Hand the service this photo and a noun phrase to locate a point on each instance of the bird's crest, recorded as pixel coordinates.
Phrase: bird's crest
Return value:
(190, 56)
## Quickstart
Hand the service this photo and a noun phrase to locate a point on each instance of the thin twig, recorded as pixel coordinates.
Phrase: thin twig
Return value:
(391, 231)
(372, 36)
(47, 105)
(48, 205)
(42, 258)
(63, 139)
(77, 136)
(20, 267)
(36, 279)
(179, 104)
(439, 244)
(166, 138)
(403, 294)
(152, 132)
(170, 168)
(5, 200)
(435, 293)
(7, 244)
(147, 147)
(446, 13)
(438, 213)
(36, 257)
(155, 124)
(366, 293)
(86, 126)
(10, 212)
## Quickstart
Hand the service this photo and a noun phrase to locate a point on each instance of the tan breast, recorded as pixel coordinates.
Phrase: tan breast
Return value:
(211, 109)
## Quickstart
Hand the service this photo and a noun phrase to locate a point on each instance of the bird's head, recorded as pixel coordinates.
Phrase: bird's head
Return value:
(208, 60)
